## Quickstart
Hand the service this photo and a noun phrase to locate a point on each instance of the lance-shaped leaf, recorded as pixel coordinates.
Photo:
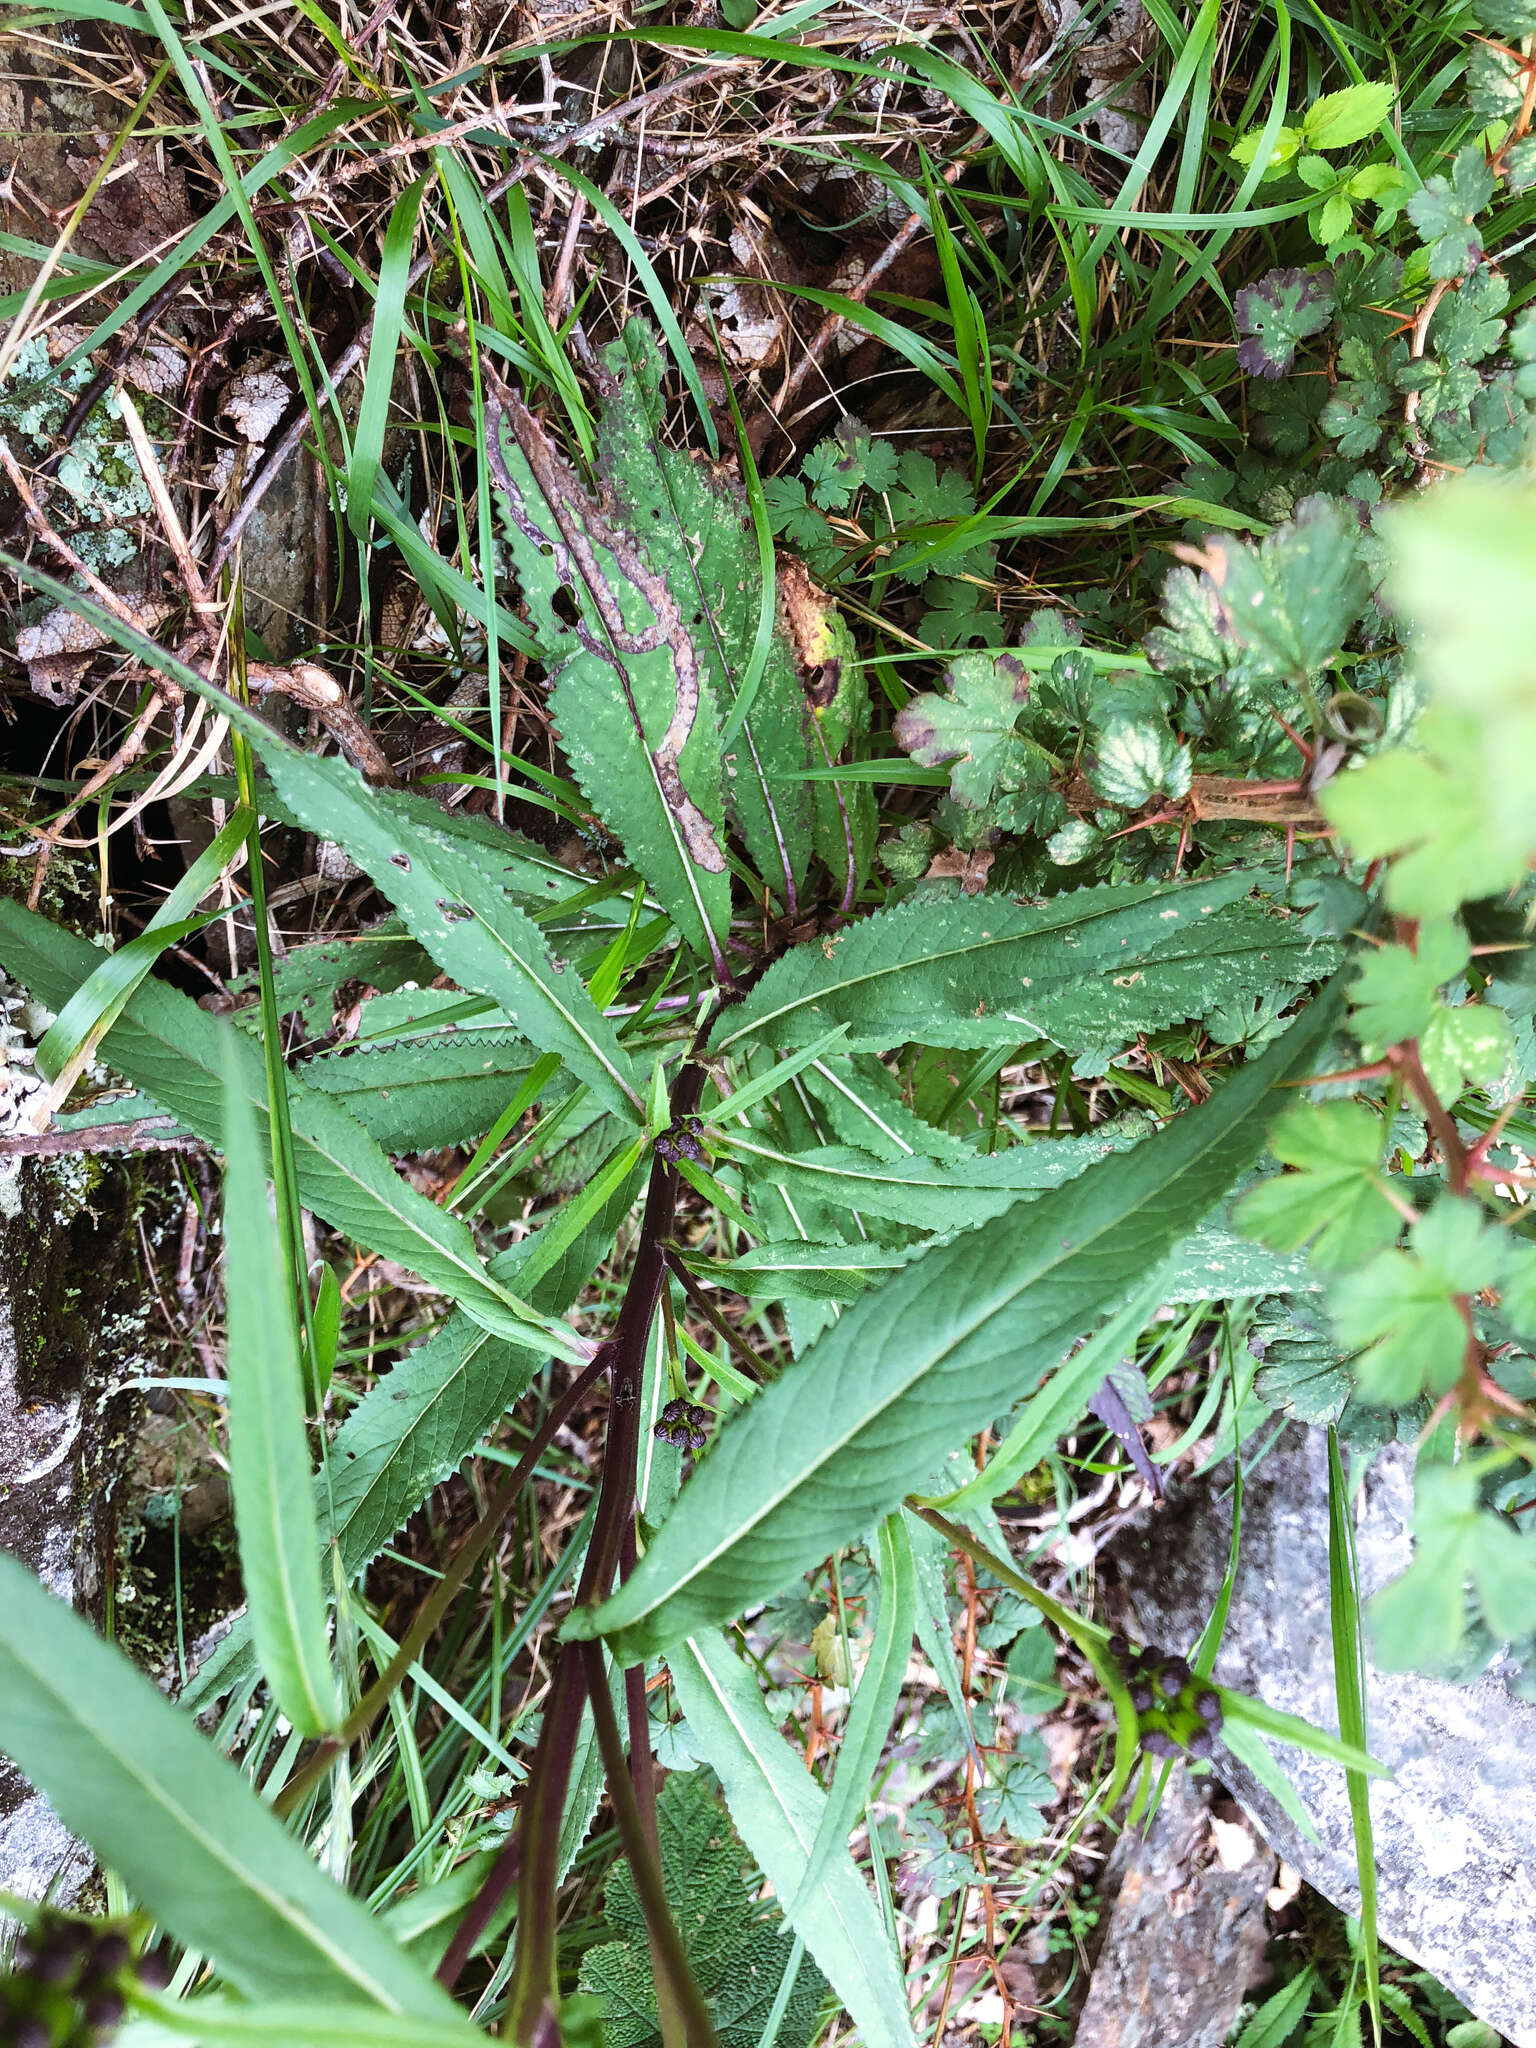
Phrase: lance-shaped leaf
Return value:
(420, 1422)
(933, 1194)
(175, 1052)
(129, 1773)
(902, 974)
(268, 1447)
(698, 532)
(631, 695)
(453, 896)
(921, 1363)
(426, 1092)
(778, 1807)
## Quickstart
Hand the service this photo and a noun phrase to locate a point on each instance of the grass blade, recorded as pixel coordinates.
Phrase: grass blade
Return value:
(268, 1446)
(1349, 1691)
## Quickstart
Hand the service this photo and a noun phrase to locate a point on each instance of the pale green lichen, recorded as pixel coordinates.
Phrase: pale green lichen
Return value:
(98, 472)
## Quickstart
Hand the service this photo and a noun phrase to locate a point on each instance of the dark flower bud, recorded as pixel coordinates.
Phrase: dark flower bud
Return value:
(1141, 1698)
(1118, 1646)
(105, 2009)
(1156, 1743)
(674, 1411)
(697, 1439)
(1200, 1743)
(698, 1418)
(55, 1962)
(154, 1970)
(1173, 1676)
(108, 1956)
(31, 2033)
(1208, 1707)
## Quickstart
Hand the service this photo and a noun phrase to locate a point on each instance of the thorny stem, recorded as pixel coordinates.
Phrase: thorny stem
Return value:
(1406, 1059)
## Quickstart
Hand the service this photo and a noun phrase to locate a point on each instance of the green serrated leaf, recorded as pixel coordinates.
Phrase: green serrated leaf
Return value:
(632, 697)
(1338, 119)
(1419, 1620)
(915, 1366)
(698, 532)
(1403, 1304)
(1336, 1199)
(427, 1092)
(450, 892)
(736, 1946)
(1277, 314)
(1394, 991)
(975, 725)
(889, 982)
(1445, 211)
(1135, 762)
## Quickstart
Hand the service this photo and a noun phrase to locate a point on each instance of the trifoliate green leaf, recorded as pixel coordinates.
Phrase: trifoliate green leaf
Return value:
(1444, 213)
(1419, 1620)
(1278, 313)
(1134, 762)
(1394, 988)
(1402, 1306)
(1336, 1197)
(1340, 118)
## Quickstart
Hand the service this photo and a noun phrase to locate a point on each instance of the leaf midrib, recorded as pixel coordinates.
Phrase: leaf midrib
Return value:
(155, 1789)
(834, 1448)
(762, 1020)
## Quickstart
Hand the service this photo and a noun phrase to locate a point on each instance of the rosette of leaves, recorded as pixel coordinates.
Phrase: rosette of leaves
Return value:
(736, 1943)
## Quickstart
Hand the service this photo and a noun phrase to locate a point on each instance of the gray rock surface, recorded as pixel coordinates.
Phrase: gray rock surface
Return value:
(1455, 1829)
(67, 1321)
(1186, 1934)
